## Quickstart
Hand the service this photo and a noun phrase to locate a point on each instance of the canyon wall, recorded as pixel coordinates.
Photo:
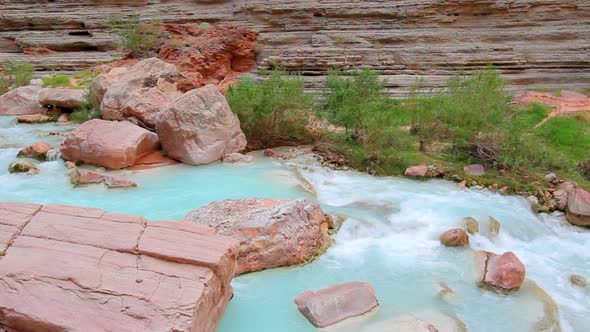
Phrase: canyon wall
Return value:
(535, 43)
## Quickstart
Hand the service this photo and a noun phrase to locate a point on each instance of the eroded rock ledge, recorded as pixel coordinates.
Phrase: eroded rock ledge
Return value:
(67, 268)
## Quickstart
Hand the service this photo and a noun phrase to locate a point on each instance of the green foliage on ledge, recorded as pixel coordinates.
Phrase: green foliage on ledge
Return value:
(14, 75)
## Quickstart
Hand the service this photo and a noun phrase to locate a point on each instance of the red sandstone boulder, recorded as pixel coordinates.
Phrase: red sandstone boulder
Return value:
(36, 151)
(454, 238)
(79, 269)
(212, 55)
(140, 93)
(80, 177)
(110, 144)
(475, 169)
(501, 273)
(334, 304)
(33, 118)
(199, 127)
(578, 207)
(272, 233)
(416, 171)
(62, 98)
(20, 101)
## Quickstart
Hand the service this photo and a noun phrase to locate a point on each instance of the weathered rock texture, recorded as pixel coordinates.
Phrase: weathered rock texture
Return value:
(35, 151)
(76, 269)
(501, 273)
(60, 97)
(110, 144)
(334, 304)
(272, 233)
(578, 207)
(200, 127)
(532, 42)
(80, 177)
(21, 101)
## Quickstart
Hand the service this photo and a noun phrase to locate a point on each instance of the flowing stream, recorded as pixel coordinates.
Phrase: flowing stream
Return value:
(389, 239)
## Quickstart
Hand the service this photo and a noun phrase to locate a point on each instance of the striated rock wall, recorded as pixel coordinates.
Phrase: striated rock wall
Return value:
(533, 42)
(67, 268)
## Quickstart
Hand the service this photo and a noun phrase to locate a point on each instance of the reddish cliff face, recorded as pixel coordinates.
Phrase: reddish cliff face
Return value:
(533, 42)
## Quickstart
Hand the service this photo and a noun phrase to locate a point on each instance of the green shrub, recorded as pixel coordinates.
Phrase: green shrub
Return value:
(14, 75)
(56, 81)
(274, 110)
(89, 110)
(136, 37)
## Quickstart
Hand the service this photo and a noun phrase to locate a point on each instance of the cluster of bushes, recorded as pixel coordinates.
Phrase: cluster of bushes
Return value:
(470, 120)
(14, 75)
(137, 37)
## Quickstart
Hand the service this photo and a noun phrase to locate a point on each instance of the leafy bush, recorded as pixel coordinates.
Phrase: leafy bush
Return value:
(137, 37)
(14, 75)
(89, 110)
(274, 110)
(56, 81)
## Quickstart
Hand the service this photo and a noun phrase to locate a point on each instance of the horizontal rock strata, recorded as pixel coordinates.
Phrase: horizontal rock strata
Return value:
(67, 268)
(533, 42)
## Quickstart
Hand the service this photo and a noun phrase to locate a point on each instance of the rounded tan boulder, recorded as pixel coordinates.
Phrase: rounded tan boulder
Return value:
(110, 144)
(454, 238)
(200, 128)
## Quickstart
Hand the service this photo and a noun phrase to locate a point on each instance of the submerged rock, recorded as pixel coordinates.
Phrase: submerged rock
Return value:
(471, 225)
(273, 154)
(33, 118)
(84, 269)
(578, 280)
(494, 227)
(272, 233)
(454, 238)
(82, 177)
(238, 158)
(578, 207)
(200, 128)
(334, 304)
(475, 169)
(110, 144)
(22, 100)
(23, 166)
(36, 151)
(61, 97)
(501, 273)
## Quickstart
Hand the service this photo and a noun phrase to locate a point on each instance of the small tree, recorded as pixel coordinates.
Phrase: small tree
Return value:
(15, 74)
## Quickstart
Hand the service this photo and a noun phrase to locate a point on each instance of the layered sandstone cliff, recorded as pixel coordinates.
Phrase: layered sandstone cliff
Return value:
(533, 42)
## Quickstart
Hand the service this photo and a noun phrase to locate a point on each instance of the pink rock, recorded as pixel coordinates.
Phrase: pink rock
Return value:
(560, 198)
(63, 118)
(69, 164)
(102, 275)
(334, 304)
(33, 118)
(36, 151)
(200, 128)
(110, 144)
(572, 94)
(61, 97)
(475, 169)
(502, 273)
(416, 171)
(21, 101)
(454, 238)
(578, 207)
(81, 177)
(272, 233)
(273, 154)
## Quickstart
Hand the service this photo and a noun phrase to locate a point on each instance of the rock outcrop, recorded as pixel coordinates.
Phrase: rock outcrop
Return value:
(334, 304)
(110, 144)
(416, 171)
(199, 127)
(532, 42)
(501, 273)
(21, 101)
(272, 233)
(80, 177)
(109, 272)
(35, 151)
(62, 98)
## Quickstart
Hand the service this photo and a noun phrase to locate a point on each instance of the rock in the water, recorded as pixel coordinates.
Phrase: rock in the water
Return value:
(471, 225)
(36, 151)
(272, 233)
(23, 166)
(110, 144)
(200, 128)
(501, 273)
(84, 269)
(560, 197)
(142, 92)
(494, 227)
(578, 207)
(334, 304)
(61, 97)
(33, 118)
(273, 154)
(416, 171)
(578, 280)
(454, 238)
(475, 169)
(406, 323)
(238, 159)
(21, 101)
(82, 177)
